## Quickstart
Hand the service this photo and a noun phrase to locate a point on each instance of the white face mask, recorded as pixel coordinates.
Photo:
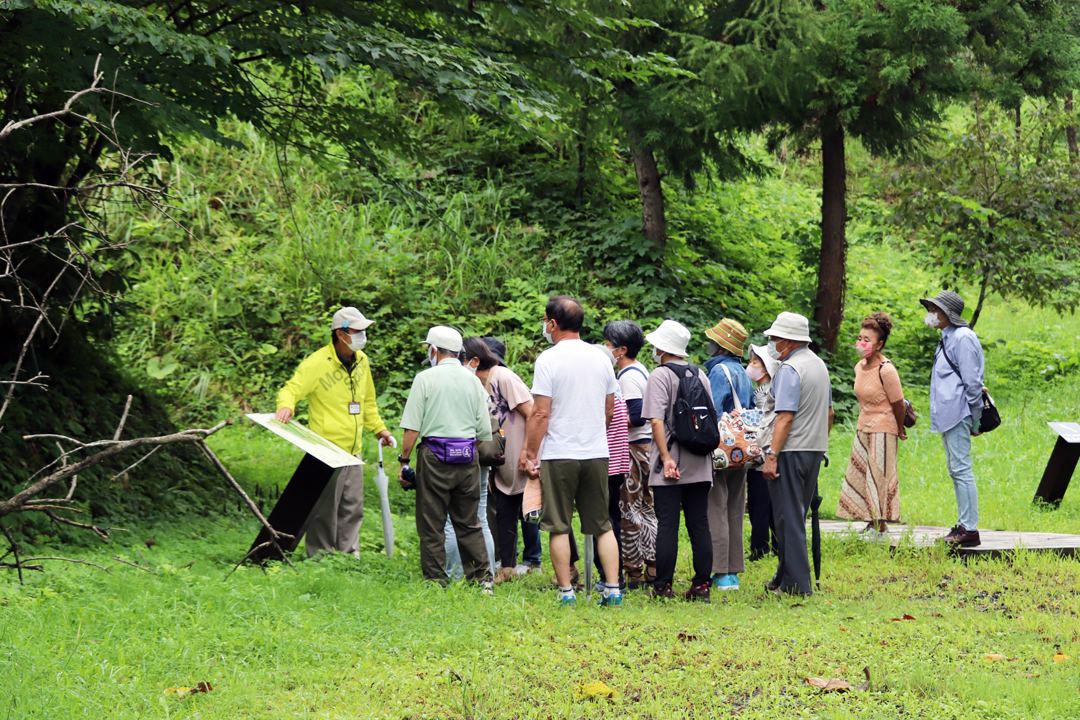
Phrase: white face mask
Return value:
(657, 356)
(547, 335)
(773, 352)
(931, 319)
(607, 351)
(470, 368)
(433, 356)
(357, 341)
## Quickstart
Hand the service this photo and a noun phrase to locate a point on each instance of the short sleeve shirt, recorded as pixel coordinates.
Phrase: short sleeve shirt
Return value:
(577, 377)
(660, 395)
(506, 391)
(447, 401)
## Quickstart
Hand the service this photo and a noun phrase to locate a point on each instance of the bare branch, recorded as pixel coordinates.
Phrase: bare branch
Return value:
(93, 89)
(70, 560)
(139, 567)
(123, 419)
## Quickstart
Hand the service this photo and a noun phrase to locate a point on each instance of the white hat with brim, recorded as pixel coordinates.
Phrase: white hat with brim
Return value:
(445, 338)
(790, 326)
(762, 352)
(671, 337)
(349, 318)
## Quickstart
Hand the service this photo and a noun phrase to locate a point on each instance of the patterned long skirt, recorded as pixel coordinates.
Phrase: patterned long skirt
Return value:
(871, 486)
(638, 531)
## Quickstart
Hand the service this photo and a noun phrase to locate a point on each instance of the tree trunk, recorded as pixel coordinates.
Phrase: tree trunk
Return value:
(832, 275)
(1070, 130)
(653, 223)
(982, 296)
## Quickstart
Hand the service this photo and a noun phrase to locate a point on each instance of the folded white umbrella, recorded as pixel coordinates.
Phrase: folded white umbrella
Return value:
(589, 558)
(383, 483)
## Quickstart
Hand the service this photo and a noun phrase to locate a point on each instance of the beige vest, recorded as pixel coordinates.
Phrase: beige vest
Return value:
(810, 426)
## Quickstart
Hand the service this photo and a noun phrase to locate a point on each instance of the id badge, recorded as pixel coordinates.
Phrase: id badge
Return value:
(354, 408)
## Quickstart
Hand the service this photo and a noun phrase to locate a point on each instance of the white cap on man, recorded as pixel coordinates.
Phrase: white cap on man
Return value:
(445, 338)
(790, 326)
(349, 318)
(671, 337)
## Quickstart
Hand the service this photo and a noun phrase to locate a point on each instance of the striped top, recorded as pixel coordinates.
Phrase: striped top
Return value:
(618, 439)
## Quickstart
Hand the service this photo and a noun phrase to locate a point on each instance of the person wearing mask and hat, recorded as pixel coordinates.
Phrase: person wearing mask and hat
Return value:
(804, 416)
(956, 385)
(728, 495)
(337, 382)
(447, 411)
(680, 480)
(761, 369)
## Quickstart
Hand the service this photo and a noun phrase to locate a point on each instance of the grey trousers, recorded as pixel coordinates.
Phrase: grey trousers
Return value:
(334, 523)
(727, 505)
(444, 489)
(791, 494)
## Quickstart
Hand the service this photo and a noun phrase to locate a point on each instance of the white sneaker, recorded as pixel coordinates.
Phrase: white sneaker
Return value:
(522, 569)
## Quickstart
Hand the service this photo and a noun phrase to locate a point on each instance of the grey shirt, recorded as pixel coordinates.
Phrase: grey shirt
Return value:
(660, 394)
(802, 386)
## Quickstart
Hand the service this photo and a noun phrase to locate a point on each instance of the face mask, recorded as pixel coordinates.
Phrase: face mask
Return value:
(433, 356)
(657, 356)
(607, 351)
(773, 352)
(470, 368)
(547, 335)
(756, 373)
(931, 319)
(712, 347)
(863, 349)
(358, 341)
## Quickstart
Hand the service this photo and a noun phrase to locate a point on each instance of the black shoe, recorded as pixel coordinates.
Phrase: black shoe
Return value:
(954, 531)
(664, 594)
(969, 538)
(772, 586)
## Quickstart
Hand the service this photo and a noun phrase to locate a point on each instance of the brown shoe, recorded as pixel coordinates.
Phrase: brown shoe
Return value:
(505, 575)
(966, 538)
(698, 592)
(665, 594)
(953, 532)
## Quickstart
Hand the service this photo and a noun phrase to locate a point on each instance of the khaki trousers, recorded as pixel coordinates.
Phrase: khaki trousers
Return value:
(727, 504)
(334, 523)
(452, 490)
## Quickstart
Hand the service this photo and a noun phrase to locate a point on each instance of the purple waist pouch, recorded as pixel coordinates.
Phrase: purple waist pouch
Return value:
(453, 451)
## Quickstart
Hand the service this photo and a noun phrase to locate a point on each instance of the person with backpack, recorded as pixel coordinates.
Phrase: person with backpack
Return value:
(871, 490)
(956, 405)
(800, 439)
(678, 403)
(727, 499)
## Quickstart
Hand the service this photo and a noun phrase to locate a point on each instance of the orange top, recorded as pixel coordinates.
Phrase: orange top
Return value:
(876, 393)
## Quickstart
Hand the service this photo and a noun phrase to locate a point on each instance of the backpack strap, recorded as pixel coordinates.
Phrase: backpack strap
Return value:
(734, 395)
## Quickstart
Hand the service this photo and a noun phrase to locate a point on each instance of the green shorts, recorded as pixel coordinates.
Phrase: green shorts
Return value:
(567, 483)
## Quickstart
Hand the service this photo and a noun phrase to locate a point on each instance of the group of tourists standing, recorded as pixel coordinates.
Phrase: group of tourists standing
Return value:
(634, 452)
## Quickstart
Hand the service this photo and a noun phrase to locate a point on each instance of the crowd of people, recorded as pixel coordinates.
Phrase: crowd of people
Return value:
(634, 452)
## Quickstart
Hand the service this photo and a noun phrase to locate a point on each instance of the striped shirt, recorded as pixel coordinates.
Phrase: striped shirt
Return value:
(617, 439)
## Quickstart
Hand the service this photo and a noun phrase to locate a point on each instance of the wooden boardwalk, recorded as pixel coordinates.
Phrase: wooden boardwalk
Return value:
(995, 543)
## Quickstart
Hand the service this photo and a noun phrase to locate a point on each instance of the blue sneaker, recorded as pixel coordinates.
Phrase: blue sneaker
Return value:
(725, 582)
(567, 600)
(612, 600)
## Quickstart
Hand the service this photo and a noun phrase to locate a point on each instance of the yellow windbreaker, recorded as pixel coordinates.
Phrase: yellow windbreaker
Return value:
(329, 388)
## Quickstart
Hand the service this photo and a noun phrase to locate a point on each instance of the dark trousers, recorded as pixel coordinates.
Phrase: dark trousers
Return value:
(615, 483)
(449, 489)
(693, 501)
(759, 507)
(507, 519)
(492, 514)
(791, 494)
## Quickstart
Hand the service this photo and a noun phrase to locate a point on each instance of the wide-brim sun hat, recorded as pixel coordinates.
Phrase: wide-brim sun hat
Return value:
(730, 335)
(349, 318)
(949, 303)
(445, 338)
(762, 352)
(671, 337)
(790, 326)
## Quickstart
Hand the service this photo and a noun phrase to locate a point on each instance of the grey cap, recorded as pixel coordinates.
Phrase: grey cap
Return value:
(949, 303)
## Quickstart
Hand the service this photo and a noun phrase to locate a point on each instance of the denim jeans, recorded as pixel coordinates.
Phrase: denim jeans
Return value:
(454, 569)
(958, 460)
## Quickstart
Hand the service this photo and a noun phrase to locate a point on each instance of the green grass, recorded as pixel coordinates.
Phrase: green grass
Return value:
(367, 638)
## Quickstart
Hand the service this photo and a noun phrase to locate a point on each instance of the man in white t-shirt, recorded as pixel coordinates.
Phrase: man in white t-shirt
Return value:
(637, 526)
(573, 401)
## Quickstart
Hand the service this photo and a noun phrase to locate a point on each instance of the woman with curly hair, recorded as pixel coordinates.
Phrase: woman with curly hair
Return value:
(871, 489)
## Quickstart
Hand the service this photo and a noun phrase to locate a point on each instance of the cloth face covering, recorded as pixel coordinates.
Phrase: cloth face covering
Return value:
(712, 347)
(657, 356)
(931, 319)
(756, 373)
(863, 350)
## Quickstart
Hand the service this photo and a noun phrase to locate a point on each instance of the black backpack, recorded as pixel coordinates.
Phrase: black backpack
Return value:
(695, 422)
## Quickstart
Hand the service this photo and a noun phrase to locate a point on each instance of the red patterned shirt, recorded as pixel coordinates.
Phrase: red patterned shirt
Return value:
(617, 439)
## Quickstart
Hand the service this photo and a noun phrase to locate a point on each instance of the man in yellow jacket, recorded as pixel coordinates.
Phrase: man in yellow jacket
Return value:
(337, 382)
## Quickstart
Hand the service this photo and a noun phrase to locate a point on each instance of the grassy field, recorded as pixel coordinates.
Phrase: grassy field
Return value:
(346, 638)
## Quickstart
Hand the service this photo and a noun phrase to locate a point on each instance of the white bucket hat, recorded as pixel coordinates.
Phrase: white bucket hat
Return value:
(790, 326)
(349, 318)
(762, 352)
(445, 338)
(671, 337)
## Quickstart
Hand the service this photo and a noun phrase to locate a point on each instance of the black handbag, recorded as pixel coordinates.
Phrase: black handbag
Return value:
(991, 418)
